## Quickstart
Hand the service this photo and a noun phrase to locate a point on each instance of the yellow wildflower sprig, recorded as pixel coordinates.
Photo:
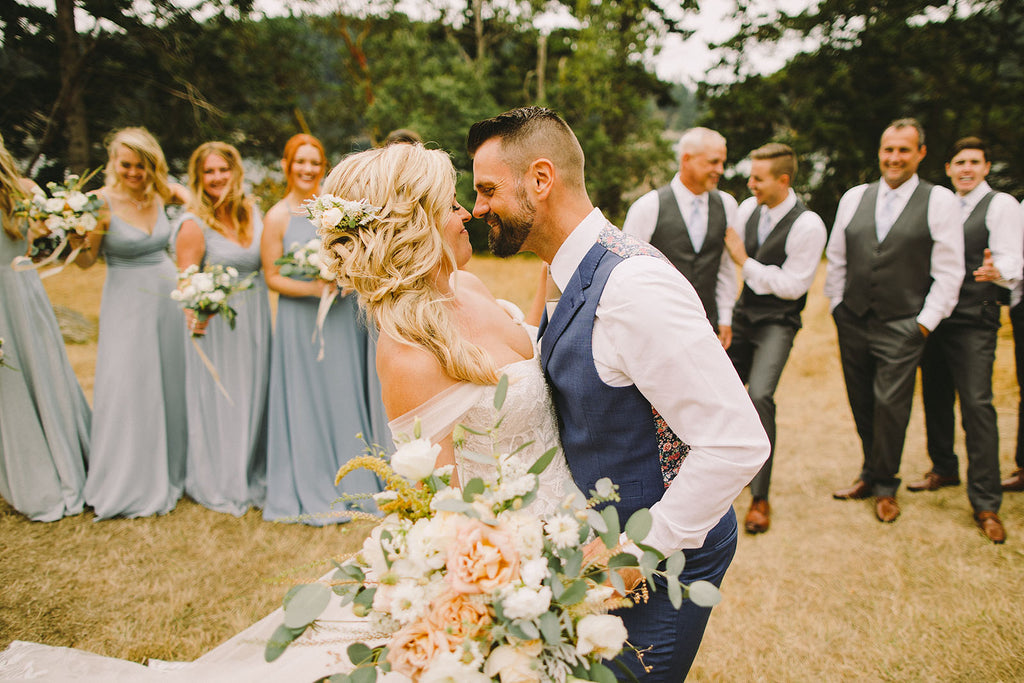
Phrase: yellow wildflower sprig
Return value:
(409, 501)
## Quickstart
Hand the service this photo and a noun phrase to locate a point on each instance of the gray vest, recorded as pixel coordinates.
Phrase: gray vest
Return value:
(891, 278)
(768, 308)
(672, 238)
(979, 301)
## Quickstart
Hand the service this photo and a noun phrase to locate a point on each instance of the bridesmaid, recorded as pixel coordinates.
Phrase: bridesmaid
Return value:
(312, 425)
(137, 467)
(227, 451)
(44, 418)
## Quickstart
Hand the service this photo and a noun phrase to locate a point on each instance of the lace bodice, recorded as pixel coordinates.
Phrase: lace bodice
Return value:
(529, 416)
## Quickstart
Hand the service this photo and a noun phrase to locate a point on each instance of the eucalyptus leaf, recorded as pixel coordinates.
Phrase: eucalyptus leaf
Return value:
(338, 678)
(601, 673)
(543, 461)
(617, 583)
(521, 446)
(648, 563)
(622, 560)
(574, 593)
(359, 653)
(472, 489)
(704, 594)
(307, 604)
(364, 674)
(551, 628)
(449, 505)
(675, 591)
(500, 391)
(479, 458)
(639, 525)
(596, 521)
(574, 563)
(365, 597)
(675, 563)
(280, 640)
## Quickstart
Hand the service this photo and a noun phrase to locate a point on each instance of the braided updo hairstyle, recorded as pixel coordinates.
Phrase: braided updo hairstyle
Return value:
(393, 262)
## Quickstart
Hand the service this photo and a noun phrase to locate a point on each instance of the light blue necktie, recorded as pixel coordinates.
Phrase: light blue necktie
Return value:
(887, 216)
(764, 226)
(697, 224)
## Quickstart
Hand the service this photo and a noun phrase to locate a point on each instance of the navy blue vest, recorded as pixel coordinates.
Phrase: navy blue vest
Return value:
(606, 431)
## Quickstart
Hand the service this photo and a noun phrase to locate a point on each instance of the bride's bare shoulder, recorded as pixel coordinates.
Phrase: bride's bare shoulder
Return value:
(409, 375)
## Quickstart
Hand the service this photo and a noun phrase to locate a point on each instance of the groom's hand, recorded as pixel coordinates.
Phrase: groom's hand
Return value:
(596, 552)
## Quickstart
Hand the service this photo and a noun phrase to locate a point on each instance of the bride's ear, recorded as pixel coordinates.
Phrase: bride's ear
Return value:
(541, 176)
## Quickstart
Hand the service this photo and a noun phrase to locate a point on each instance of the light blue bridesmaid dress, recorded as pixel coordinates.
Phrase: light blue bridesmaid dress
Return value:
(137, 467)
(44, 417)
(379, 430)
(316, 409)
(227, 439)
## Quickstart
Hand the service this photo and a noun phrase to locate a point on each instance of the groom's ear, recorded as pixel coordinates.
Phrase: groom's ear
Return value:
(540, 178)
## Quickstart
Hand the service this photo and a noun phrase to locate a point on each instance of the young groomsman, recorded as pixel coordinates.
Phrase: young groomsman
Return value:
(686, 221)
(960, 353)
(778, 246)
(895, 266)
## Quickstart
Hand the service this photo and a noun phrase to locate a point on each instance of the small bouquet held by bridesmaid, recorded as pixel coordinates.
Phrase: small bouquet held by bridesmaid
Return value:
(302, 261)
(67, 212)
(206, 292)
(3, 362)
(468, 585)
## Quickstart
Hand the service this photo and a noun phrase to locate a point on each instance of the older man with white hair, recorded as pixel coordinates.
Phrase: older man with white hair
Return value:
(686, 221)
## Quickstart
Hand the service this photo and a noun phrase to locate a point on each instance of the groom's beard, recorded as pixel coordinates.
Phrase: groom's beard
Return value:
(507, 235)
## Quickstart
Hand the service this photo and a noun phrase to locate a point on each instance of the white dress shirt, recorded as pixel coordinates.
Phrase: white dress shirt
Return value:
(650, 331)
(1005, 223)
(642, 218)
(804, 247)
(947, 266)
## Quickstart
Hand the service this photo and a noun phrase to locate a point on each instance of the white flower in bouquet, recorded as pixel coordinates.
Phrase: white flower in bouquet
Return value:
(533, 572)
(563, 530)
(415, 459)
(515, 664)
(54, 205)
(207, 292)
(409, 601)
(76, 201)
(600, 634)
(525, 602)
(449, 667)
(54, 223)
(329, 212)
(331, 217)
(88, 222)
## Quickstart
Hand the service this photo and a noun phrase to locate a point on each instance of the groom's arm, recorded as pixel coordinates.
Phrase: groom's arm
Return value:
(651, 331)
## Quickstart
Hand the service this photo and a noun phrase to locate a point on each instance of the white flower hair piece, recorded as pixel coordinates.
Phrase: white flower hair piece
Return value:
(329, 212)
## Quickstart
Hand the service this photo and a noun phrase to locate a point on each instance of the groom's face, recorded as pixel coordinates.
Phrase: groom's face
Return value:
(501, 200)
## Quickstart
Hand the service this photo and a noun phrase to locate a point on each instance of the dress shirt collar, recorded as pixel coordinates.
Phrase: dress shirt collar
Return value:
(972, 198)
(568, 257)
(902, 192)
(683, 194)
(779, 211)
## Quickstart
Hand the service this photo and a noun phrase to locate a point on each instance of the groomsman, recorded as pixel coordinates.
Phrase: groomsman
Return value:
(778, 246)
(895, 266)
(686, 221)
(1015, 482)
(960, 353)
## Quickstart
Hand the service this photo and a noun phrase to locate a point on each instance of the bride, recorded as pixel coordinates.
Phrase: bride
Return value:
(444, 343)
(444, 339)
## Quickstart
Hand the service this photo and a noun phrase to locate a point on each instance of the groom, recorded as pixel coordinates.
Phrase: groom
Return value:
(644, 391)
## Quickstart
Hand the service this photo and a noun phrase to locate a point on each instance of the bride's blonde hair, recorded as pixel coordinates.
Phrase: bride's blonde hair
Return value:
(392, 263)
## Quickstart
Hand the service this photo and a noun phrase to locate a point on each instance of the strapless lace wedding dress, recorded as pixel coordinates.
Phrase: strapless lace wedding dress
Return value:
(528, 417)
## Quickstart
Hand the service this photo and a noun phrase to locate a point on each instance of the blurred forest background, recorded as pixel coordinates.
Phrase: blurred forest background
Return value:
(73, 70)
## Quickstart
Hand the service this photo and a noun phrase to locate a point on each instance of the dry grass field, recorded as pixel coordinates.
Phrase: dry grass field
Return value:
(829, 594)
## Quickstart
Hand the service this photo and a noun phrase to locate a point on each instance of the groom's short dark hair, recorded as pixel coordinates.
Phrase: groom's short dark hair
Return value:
(528, 133)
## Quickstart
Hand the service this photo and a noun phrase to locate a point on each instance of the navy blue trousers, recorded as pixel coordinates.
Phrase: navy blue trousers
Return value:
(668, 638)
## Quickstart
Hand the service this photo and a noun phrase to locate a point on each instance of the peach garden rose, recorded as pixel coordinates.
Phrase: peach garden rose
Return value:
(481, 559)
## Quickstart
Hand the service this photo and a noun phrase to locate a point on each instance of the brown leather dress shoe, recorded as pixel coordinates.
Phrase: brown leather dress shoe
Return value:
(990, 523)
(933, 481)
(759, 517)
(886, 509)
(1015, 482)
(860, 489)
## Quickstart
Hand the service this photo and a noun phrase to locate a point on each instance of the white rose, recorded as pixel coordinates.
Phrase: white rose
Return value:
(203, 282)
(448, 668)
(231, 271)
(313, 260)
(188, 292)
(533, 572)
(216, 296)
(415, 460)
(87, 222)
(77, 201)
(600, 634)
(526, 602)
(331, 218)
(512, 665)
(53, 223)
(176, 295)
(55, 204)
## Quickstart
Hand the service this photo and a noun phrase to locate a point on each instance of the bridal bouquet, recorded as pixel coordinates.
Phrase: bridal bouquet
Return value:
(467, 585)
(67, 211)
(303, 261)
(206, 292)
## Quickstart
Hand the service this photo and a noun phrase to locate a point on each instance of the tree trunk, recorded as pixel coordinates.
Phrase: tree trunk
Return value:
(69, 50)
